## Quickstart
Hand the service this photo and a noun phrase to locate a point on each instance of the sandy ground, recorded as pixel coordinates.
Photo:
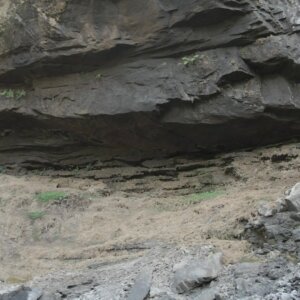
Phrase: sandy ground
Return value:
(102, 221)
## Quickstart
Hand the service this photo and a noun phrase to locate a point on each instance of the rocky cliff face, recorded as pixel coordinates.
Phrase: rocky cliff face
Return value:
(88, 80)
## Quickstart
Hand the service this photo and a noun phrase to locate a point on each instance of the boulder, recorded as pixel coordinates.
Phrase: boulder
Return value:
(197, 273)
(141, 288)
(293, 199)
(22, 293)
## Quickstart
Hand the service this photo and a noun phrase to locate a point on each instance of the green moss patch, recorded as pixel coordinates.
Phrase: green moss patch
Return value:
(51, 196)
(198, 197)
(35, 215)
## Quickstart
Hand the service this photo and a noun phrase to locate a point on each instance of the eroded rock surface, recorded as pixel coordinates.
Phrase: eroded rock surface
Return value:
(279, 231)
(132, 79)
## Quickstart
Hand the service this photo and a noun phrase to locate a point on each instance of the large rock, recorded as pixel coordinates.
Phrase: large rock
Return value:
(197, 273)
(141, 288)
(22, 293)
(293, 199)
(279, 230)
(136, 79)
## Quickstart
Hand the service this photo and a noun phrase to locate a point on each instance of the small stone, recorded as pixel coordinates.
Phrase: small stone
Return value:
(141, 288)
(285, 296)
(295, 217)
(251, 286)
(267, 210)
(274, 254)
(164, 296)
(196, 273)
(180, 265)
(296, 234)
(154, 292)
(49, 296)
(247, 268)
(255, 297)
(256, 223)
(159, 294)
(281, 205)
(261, 251)
(207, 294)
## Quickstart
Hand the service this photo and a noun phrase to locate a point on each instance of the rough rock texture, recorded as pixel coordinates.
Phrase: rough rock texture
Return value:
(159, 76)
(197, 273)
(141, 287)
(21, 293)
(279, 231)
(276, 279)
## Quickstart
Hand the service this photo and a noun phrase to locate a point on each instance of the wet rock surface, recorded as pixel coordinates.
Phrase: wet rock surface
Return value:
(166, 77)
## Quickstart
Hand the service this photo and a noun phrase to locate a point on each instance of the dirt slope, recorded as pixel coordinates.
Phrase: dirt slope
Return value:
(94, 221)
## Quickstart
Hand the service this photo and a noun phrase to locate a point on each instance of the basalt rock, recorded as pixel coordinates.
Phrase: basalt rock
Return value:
(131, 79)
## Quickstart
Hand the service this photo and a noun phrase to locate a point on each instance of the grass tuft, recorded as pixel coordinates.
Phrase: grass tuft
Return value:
(198, 197)
(51, 196)
(35, 215)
